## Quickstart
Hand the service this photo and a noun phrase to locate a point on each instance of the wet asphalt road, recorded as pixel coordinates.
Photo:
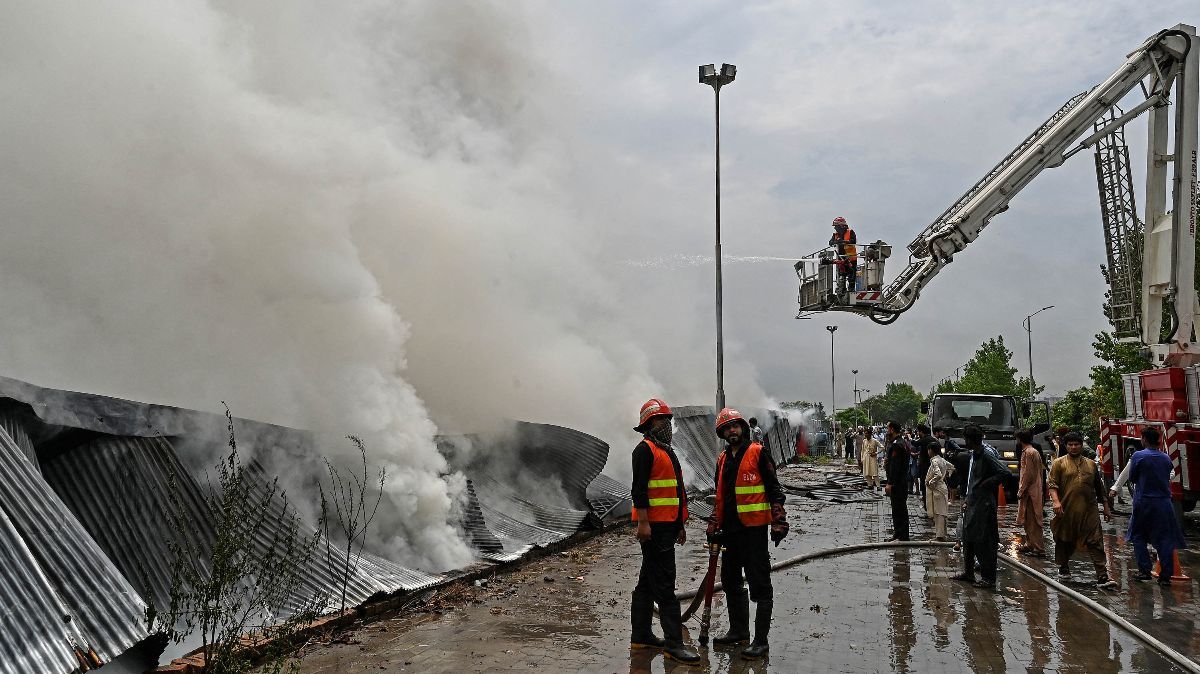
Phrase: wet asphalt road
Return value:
(875, 611)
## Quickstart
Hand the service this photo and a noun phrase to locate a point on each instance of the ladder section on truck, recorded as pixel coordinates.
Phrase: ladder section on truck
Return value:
(1122, 232)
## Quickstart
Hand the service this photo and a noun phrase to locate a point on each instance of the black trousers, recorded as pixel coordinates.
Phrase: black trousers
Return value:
(899, 498)
(656, 585)
(986, 554)
(746, 551)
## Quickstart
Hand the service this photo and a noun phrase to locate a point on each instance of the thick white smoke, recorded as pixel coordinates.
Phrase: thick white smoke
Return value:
(351, 217)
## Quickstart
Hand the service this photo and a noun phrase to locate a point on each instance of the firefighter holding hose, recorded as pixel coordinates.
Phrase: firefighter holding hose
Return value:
(749, 507)
(844, 242)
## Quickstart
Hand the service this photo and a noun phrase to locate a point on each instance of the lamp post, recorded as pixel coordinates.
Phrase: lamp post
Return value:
(710, 76)
(855, 389)
(870, 421)
(832, 376)
(1028, 325)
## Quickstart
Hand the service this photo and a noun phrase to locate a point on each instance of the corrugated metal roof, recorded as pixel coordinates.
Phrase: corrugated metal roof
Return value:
(119, 489)
(696, 441)
(695, 444)
(527, 485)
(36, 635)
(61, 555)
(124, 503)
(10, 421)
(608, 497)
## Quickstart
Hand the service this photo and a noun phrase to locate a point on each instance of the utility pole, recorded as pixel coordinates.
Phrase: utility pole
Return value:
(710, 76)
(1028, 325)
(832, 376)
(857, 402)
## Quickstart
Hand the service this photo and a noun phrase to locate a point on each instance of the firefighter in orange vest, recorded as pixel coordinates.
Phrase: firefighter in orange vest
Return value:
(844, 242)
(749, 505)
(660, 510)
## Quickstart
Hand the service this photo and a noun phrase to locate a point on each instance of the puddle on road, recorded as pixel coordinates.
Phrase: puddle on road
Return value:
(899, 611)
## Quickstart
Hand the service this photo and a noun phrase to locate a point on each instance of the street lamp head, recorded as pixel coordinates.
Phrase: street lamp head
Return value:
(711, 76)
(854, 371)
(831, 328)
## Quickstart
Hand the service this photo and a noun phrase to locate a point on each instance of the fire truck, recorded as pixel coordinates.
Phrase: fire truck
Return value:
(1151, 257)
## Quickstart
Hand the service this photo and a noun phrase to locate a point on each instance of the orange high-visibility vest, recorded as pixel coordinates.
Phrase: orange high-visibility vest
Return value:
(849, 250)
(749, 492)
(663, 489)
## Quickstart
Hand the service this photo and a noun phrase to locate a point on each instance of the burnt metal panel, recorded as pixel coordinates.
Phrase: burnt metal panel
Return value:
(12, 423)
(105, 608)
(698, 508)
(119, 489)
(527, 485)
(609, 498)
(695, 444)
(36, 630)
(124, 502)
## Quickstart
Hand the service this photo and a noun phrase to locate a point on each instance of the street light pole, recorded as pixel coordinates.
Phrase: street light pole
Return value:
(832, 375)
(710, 76)
(856, 400)
(1028, 325)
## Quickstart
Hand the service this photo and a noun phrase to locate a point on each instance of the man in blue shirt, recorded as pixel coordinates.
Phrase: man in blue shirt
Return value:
(1153, 520)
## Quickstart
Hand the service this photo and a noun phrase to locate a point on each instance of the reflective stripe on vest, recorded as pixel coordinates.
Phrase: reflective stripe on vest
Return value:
(749, 492)
(849, 249)
(662, 489)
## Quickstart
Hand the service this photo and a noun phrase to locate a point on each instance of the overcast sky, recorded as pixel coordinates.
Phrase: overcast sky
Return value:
(883, 113)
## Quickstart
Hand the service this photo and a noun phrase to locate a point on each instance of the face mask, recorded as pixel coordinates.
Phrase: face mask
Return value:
(664, 433)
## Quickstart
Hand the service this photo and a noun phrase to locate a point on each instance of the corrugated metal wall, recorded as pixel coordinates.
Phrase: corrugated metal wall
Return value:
(101, 604)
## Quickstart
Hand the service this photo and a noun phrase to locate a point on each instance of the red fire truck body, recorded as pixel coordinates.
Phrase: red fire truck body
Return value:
(1167, 399)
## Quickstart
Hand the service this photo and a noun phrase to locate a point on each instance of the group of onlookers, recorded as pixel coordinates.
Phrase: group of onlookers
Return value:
(905, 462)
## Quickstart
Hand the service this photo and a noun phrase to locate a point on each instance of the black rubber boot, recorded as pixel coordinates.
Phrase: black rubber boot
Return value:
(739, 620)
(641, 616)
(762, 626)
(681, 653)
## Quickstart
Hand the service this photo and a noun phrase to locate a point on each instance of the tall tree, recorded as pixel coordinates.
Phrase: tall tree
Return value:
(990, 371)
(1119, 358)
(851, 417)
(899, 401)
(1080, 410)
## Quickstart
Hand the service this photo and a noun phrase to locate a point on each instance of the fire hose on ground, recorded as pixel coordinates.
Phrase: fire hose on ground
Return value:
(1175, 656)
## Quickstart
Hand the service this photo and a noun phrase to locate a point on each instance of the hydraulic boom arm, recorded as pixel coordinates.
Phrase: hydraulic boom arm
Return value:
(1163, 62)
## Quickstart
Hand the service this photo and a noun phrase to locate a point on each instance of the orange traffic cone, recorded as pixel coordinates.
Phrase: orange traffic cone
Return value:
(1000, 500)
(1178, 577)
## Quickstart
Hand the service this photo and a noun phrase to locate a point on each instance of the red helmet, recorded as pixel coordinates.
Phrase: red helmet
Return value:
(728, 416)
(839, 221)
(654, 407)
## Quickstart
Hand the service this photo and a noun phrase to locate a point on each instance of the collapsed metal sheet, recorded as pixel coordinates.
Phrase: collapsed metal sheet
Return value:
(844, 495)
(10, 421)
(527, 485)
(38, 635)
(609, 498)
(125, 502)
(48, 554)
(695, 444)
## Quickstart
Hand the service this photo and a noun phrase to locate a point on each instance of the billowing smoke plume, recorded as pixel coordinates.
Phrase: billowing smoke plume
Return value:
(348, 217)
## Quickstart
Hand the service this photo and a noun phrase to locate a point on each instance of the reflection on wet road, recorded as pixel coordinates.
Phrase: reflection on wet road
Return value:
(933, 624)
